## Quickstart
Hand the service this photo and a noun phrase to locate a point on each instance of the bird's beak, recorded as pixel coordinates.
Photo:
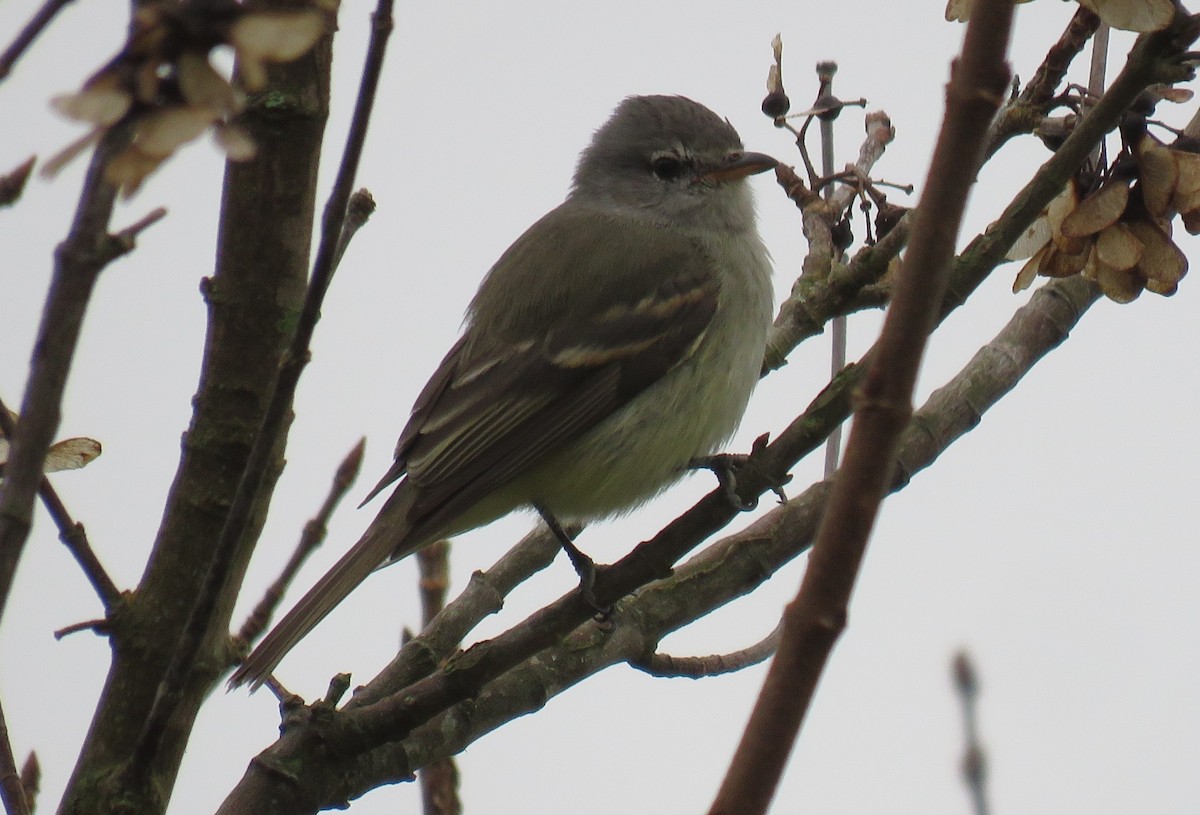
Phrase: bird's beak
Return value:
(738, 165)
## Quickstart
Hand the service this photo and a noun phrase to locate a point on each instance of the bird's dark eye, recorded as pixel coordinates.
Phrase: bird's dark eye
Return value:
(668, 168)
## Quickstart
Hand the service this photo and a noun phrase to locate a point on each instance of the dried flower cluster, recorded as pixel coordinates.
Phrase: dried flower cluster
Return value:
(163, 83)
(1114, 226)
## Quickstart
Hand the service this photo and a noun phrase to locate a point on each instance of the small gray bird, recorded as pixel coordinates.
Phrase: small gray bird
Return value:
(618, 339)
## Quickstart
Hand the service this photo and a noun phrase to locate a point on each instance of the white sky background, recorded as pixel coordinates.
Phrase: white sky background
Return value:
(1057, 541)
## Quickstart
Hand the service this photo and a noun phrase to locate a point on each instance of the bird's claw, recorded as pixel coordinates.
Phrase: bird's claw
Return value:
(725, 467)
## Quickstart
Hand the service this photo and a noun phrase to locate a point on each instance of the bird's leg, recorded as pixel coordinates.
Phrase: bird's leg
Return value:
(584, 566)
(725, 467)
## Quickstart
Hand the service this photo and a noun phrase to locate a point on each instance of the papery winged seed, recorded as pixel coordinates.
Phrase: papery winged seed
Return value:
(1057, 263)
(1100, 209)
(1118, 285)
(161, 133)
(1161, 260)
(1118, 247)
(71, 454)
(276, 36)
(1158, 174)
(1036, 236)
(99, 106)
(1142, 16)
(129, 169)
(203, 87)
(1029, 271)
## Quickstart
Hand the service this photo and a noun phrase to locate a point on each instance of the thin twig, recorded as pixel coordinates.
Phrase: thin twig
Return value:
(1026, 112)
(311, 538)
(440, 779)
(727, 569)
(12, 184)
(816, 297)
(815, 618)
(483, 595)
(837, 326)
(72, 534)
(74, 537)
(405, 693)
(78, 263)
(12, 791)
(99, 626)
(31, 779)
(28, 34)
(666, 665)
(295, 358)
(974, 763)
(359, 209)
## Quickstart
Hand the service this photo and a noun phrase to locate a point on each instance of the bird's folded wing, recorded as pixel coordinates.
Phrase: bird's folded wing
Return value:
(494, 409)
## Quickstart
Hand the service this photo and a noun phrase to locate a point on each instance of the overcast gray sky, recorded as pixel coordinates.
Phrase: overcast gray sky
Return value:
(1057, 541)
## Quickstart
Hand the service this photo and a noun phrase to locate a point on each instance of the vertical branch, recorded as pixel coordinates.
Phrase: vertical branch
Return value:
(262, 260)
(814, 619)
(974, 763)
(439, 780)
(271, 432)
(837, 326)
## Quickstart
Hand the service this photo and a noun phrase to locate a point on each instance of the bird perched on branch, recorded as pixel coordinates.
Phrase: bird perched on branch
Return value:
(614, 342)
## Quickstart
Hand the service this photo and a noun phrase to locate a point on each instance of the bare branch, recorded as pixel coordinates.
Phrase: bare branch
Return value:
(739, 563)
(12, 790)
(974, 763)
(77, 266)
(813, 621)
(31, 779)
(72, 534)
(1024, 113)
(311, 538)
(261, 454)
(13, 183)
(359, 209)
(660, 664)
(28, 34)
(439, 780)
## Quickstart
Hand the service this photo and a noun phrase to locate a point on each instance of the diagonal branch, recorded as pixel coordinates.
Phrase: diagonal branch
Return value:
(724, 571)
(28, 34)
(813, 621)
(71, 533)
(311, 538)
(382, 711)
(78, 262)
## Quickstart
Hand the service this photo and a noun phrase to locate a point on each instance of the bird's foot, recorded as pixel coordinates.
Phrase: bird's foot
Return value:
(584, 566)
(726, 466)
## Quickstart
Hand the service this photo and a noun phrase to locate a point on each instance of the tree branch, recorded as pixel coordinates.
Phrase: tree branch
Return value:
(310, 539)
(813, 621)
(12, 184)
(12, 791)
(72, 534)
(270, 433)
(77, 265)
(724, 571)
(28, 34)
(666, 665)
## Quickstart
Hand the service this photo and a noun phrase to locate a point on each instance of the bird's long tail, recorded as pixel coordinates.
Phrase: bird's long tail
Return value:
(390, 536)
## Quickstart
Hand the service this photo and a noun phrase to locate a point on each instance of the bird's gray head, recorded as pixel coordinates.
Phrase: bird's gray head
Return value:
(669, 159)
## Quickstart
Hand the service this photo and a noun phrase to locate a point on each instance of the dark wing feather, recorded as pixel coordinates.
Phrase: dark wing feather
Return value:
(496, 406)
